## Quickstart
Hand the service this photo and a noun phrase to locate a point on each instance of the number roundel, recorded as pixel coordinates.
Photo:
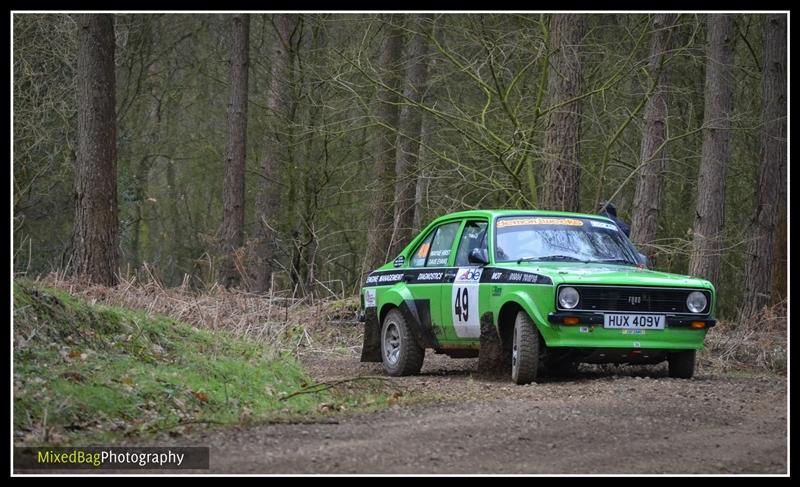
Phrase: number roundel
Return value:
(461, 304)
(465, 310)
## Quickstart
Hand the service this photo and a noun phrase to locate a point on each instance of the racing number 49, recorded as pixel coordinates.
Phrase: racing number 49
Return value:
(462, 304)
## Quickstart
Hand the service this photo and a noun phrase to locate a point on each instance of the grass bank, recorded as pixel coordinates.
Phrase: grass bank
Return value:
(88, 373)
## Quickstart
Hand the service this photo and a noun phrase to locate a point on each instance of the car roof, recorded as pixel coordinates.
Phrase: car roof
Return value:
(492, 213)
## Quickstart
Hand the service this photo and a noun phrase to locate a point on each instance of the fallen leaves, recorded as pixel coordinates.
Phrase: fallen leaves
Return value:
(394, 398)
(328, 407)
(74, 376)
(201, 396)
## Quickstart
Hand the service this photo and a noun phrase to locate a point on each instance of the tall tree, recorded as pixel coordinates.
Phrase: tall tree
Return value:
(233, 184)
(561, 171)
(648, 196)
(759, 258)
(379, 236)
(408, 147)
(268, 199)
(719, 85)
(94, 241)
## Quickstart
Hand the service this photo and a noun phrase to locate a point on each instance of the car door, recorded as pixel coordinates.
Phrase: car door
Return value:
(461, 289)
(425, 274)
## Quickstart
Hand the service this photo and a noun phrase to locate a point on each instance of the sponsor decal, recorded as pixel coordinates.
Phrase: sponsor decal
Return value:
(523, 277)
(390, 277)
(511, 222)
(633, 332)
(469, 275)
(399, 261)
(497, 291)
(430, 276)
(606, 225)
(378, 279)
(584, 329)
(500, 275)
(369, 298)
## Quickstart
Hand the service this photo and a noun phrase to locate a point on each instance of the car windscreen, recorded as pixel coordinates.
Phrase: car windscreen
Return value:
(572, 239)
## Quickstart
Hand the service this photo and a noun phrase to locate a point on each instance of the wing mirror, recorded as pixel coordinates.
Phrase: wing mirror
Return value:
(478, 256)
(644, 261)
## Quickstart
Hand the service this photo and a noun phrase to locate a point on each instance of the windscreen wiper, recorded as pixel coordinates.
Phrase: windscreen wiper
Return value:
(615, 261)
(551, 258)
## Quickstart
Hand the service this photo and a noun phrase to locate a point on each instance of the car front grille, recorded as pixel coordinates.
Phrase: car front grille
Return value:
(635, 299)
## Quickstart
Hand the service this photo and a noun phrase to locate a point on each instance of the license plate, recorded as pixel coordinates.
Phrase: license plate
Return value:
(634, 322)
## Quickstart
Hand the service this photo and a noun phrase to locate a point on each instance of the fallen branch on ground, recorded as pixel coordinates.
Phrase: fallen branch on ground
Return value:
(324, 386)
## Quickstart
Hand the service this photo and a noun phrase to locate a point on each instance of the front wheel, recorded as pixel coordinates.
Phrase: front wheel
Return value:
(681, 364)
(524, 350)
(399, 349)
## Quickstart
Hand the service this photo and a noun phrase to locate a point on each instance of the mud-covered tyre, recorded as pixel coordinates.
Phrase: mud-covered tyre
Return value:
(399, 349)
(681, 364)
(524, 350)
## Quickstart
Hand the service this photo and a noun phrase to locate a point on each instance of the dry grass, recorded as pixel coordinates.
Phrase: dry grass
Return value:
(759, 343)
(280, 322)
(329, 326)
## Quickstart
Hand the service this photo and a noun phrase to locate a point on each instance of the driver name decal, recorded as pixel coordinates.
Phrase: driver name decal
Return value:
(511, 222)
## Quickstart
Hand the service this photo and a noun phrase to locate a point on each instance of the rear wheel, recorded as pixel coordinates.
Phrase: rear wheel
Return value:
(524, 350)
(681, 364)
(399, 349)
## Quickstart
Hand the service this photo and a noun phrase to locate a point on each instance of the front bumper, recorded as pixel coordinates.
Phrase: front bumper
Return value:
(589, 318)
(589, 333)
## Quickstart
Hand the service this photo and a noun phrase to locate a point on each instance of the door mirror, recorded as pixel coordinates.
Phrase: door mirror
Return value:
(478, 256)
(644, 261)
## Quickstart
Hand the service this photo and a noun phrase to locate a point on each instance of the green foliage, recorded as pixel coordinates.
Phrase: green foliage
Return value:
(481, 147)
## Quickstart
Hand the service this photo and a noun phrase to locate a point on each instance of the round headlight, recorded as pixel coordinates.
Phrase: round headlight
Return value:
(696, 302)
(568, 297)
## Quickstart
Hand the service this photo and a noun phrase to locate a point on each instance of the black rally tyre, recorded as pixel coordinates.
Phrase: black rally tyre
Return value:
(681, 364)
(524, 350)
(399, 349)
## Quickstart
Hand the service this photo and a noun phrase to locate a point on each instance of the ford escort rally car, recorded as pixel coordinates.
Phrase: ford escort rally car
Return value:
(531, 293)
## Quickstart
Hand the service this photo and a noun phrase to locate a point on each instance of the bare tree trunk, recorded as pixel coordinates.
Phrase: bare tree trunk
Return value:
(758, 267)
(268, 200)
(421, 202)
(379, 236)
(408, 149)
(709, 218)
(235, 152)
(94, 242)
(561, 182)
(648, 196)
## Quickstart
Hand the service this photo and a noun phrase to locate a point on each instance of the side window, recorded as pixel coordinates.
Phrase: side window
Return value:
(473, 237)
(418, 259)
(441, 245)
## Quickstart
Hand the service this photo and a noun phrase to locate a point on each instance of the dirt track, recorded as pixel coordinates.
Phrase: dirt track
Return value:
(596, 422)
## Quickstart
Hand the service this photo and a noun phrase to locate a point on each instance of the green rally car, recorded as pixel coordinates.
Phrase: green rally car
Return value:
(531, 292)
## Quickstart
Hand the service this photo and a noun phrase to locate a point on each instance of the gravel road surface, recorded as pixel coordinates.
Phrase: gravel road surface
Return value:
(600, 421)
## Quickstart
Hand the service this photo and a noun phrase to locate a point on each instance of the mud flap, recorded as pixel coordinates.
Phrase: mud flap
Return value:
(417, 313)
(371, 348)
(491, 359)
